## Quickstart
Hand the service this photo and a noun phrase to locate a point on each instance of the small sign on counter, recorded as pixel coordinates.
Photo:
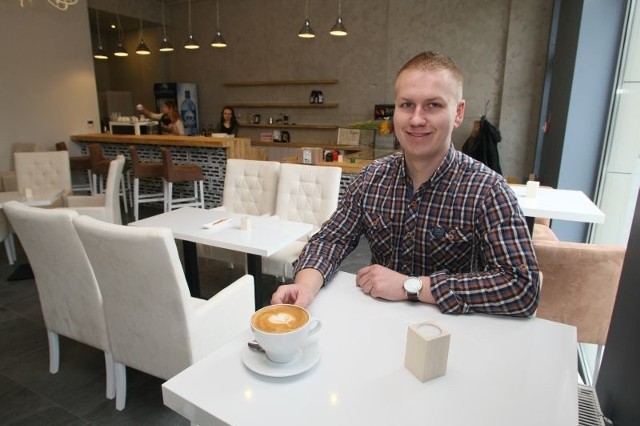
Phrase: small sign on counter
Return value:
(348, 136)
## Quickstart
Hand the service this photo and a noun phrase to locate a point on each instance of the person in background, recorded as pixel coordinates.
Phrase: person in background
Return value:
(170, 121)
(228, 122)
(443, 228)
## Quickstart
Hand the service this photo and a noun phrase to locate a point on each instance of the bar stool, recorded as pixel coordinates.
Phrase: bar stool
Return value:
(100, 169)
(173, 173)
(78, 163)
(144, 170)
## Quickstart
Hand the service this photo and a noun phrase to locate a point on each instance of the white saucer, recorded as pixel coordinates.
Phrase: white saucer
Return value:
(259, 363)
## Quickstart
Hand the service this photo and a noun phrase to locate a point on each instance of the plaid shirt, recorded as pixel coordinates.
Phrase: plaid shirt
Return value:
(463, 228)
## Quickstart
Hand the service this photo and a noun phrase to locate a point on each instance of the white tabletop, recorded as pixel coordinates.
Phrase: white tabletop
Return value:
(40, 197)
(501, 371)
(560, 204)
(267, 236)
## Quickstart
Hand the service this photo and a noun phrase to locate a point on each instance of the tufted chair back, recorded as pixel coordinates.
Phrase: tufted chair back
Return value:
(43, 170)
(307, 193)
(250, 187)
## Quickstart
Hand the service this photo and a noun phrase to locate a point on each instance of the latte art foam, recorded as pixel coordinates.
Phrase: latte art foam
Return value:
(279, 318)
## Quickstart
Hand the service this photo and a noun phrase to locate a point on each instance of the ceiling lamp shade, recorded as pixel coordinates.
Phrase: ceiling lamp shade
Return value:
(338, 29)
(165, 46)
(120, 50)
(191, 42)
(218, 40)
(306, 31)
(100, 53)
(142, 48)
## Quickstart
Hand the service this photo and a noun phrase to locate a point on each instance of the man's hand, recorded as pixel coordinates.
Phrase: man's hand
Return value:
(302, 292)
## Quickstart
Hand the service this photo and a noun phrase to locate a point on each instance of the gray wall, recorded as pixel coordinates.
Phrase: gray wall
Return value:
(499, 44)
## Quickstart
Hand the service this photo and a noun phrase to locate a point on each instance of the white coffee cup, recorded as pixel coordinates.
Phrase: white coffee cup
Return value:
(281, 330)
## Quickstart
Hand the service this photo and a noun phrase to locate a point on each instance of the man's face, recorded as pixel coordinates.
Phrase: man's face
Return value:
(428, 106)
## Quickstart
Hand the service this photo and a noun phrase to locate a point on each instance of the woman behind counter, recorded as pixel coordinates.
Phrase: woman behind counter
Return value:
(228, 122)
(170, 121)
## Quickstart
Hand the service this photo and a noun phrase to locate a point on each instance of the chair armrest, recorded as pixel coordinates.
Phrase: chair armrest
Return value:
(222, 317)
(85, 200)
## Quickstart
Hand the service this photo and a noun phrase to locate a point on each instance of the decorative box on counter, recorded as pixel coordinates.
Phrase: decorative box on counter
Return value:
(310, 155)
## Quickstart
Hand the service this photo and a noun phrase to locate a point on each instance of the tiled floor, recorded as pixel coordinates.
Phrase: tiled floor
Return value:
(30, 395)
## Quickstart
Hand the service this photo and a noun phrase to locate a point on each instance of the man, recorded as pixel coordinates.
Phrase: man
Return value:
(443, 228)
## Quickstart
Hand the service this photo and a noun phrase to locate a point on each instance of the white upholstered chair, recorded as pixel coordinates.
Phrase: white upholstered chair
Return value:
(69, 296)
(106, 206)
(6, 236)
(306, 194)
(154, 324)
(44, 170)
(250, 187)
(580, 287)
(8, 178)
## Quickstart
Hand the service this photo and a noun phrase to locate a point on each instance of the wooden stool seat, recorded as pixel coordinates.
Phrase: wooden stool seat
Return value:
(174, 173)
(144, 170)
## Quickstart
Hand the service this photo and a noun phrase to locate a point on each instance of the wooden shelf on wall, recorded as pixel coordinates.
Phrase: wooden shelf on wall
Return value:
(293, 126)
(280, 105)
(279, 82)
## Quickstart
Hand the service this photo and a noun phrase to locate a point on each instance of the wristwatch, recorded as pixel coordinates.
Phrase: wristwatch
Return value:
(412, 286)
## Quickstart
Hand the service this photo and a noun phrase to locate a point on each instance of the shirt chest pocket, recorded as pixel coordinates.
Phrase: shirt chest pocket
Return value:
(379, 232)
(449, 248)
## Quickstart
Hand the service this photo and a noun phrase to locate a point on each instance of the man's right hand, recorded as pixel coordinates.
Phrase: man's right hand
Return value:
(302, 292)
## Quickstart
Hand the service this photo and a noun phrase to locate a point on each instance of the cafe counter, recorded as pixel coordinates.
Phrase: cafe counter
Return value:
(210, 153)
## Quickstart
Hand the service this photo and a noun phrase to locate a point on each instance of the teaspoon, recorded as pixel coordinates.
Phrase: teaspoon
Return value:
(255, 346)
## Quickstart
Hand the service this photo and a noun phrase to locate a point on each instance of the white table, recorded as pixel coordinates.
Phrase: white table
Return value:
(39, 198)
(501, 372)
(268, 235)
(562, 204)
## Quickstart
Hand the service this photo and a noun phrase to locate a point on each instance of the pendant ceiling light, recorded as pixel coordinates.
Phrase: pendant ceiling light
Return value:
(338, 28)
(120, 50)
(306, 31)
(142, 47)
(191, 42)
(100, 53)
(165, 46)
(218, 40)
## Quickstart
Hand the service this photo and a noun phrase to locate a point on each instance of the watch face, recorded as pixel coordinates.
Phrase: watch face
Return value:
(413, 285)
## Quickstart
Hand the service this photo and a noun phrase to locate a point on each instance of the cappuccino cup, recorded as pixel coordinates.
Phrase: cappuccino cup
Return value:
(281, 330)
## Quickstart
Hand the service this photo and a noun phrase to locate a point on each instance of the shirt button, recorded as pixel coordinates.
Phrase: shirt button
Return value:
(413, 204)
(450, 237)
(409, 234)
(523, 267)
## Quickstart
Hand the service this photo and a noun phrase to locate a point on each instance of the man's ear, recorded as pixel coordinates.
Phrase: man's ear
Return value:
(459, 113)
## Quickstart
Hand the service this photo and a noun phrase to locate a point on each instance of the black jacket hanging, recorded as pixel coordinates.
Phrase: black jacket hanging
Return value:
(484, 145)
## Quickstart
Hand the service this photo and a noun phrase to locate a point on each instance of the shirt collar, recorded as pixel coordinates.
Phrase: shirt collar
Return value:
(442, 170)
